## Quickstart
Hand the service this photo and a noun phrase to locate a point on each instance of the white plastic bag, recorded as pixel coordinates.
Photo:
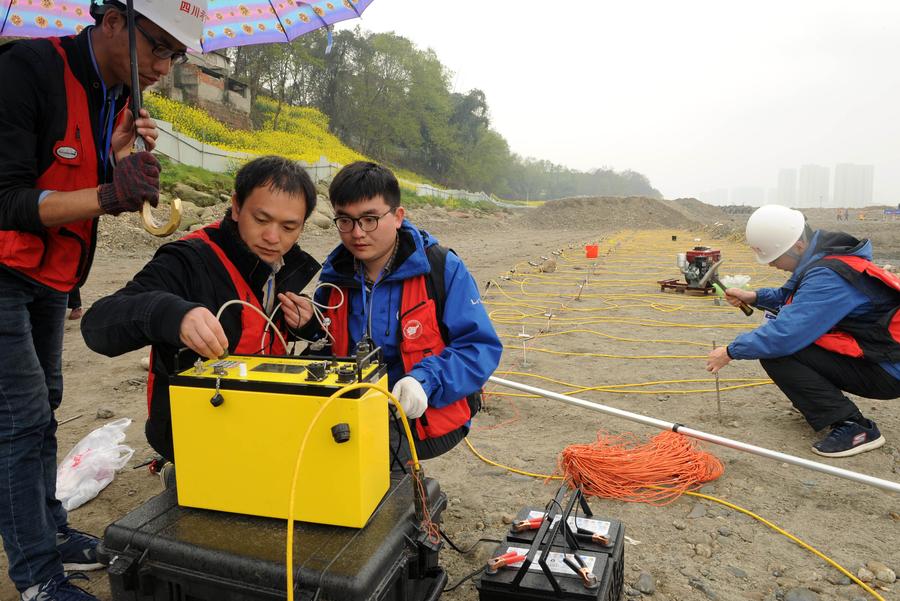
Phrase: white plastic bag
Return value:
(91, 464)
(735, 281)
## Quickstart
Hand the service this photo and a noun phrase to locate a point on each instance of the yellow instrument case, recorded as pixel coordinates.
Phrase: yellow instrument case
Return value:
(237, 431)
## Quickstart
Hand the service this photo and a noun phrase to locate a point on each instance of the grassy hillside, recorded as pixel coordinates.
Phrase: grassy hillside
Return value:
(302, 132)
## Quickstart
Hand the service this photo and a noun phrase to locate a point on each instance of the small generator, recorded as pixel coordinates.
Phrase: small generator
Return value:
(693, 265)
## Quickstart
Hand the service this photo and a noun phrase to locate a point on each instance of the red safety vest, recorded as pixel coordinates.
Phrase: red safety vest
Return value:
(253, 326)
(59, 257)
(420, 338)
(876, 342)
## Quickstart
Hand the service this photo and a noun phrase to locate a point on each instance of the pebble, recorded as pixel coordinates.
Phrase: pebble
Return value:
(724, 531)
(703, 550)
(507, 518)
(807, 576)
(699, 538)
(679, 524)
(104, 413)
(882, 572)
(697, 511)
(145, 363)
(736, 572)
(800, 594)
(646, 583)
(662, 397)
(630, 592)
(703, 587)
(865, 574)
(837, 579)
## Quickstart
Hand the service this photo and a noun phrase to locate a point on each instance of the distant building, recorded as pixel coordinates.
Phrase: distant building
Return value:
(204, 82)
(748, 195)
(787, 187)
(853, 185)
(812, 188)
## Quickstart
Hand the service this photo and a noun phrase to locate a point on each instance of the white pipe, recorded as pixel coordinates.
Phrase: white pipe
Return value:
(719, 440)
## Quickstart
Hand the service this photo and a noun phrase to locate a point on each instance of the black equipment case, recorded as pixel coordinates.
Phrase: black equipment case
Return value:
(164, 552)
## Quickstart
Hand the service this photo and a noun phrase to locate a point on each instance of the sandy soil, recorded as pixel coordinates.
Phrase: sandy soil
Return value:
(691, 549)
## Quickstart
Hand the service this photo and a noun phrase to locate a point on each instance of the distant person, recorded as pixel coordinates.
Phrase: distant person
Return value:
(835, 328)
(417, 301)
(65, 159)
(251, 254)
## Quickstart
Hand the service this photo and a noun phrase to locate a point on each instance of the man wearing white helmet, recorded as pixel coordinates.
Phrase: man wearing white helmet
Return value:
(65, 159)
(837, 327)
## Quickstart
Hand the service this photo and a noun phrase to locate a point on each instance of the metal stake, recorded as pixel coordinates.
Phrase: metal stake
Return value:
(718, 397)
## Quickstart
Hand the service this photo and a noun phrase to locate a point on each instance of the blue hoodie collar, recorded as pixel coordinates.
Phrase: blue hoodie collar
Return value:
(411, 259)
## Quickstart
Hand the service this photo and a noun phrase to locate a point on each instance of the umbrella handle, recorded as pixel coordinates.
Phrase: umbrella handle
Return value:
(161, 230)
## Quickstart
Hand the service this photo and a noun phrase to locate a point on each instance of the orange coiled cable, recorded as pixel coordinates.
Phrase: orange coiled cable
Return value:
(623, 467)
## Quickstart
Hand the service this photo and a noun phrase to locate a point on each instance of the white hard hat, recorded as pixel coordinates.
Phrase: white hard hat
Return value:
(182, 19)
(772, 230)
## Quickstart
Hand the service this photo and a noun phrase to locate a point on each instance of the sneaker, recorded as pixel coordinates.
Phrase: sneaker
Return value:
(76, 313)
(849, 438)
(59, 588)
(78, 550)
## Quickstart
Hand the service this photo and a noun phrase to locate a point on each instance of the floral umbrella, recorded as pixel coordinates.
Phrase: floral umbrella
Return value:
(228, 22)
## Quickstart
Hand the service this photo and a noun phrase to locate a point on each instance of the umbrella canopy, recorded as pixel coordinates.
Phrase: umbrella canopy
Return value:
(228, 22)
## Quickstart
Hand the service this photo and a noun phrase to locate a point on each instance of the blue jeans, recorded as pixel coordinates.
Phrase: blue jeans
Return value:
(32, 321)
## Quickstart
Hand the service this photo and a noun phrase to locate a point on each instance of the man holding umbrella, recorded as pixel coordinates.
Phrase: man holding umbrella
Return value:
(65, 159)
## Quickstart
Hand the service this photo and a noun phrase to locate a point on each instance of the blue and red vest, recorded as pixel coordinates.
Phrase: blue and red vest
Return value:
(255, 338)
(59, 257)
(420, 335)
(876, 338)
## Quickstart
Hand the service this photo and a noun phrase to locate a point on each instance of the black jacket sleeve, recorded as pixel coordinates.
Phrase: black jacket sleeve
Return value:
(25, 99)
(148, 310)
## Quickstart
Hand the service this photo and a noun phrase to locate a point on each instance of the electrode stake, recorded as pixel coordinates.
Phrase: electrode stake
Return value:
(718, 397)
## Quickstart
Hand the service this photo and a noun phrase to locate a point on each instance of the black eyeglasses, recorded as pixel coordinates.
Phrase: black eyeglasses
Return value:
(367, 223)
(162, 51)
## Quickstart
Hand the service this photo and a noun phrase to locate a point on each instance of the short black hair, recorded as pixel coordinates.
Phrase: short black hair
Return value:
(278, 173)
(363, 180)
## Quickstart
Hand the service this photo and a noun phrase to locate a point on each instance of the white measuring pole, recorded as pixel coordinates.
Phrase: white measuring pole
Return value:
(719, 440)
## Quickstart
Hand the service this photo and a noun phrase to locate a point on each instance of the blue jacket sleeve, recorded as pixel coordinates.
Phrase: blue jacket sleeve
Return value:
(823, 299)
(473, 351)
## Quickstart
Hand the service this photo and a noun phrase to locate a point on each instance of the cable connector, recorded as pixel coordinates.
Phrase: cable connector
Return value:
(495, 563)
(577, 564)
(529, 524)
(594, 536)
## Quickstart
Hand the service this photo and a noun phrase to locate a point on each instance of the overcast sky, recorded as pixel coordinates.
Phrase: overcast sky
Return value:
(696, 95)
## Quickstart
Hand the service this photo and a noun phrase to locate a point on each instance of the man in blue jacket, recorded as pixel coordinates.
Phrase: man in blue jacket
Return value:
(413, 298)
(836, 327)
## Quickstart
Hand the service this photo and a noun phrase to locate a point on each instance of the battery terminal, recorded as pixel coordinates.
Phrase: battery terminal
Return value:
(529, 524)
(577, 564)
(495, 563)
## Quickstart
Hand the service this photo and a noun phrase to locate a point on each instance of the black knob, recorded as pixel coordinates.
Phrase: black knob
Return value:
(217, 400)
(340, 433)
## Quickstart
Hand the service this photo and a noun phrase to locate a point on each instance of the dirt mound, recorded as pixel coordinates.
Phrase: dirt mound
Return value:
(608, 213)
(696, 210)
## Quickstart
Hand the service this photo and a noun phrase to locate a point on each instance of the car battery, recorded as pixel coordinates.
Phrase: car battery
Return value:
(602, 535)
(238, 424)
(556, 554)
(607, 570)
(162, 551)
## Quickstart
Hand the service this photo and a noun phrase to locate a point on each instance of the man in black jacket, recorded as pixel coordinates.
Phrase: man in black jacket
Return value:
(65, 159)
(250, 255)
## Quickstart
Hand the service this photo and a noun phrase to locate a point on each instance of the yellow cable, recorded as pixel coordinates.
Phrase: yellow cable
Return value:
(289, 556)
(747, 512)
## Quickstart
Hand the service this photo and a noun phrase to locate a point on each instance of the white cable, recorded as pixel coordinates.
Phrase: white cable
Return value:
(317, 313)
(266, 317)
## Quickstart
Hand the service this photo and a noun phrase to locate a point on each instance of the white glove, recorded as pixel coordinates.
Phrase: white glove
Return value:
(412, 396)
